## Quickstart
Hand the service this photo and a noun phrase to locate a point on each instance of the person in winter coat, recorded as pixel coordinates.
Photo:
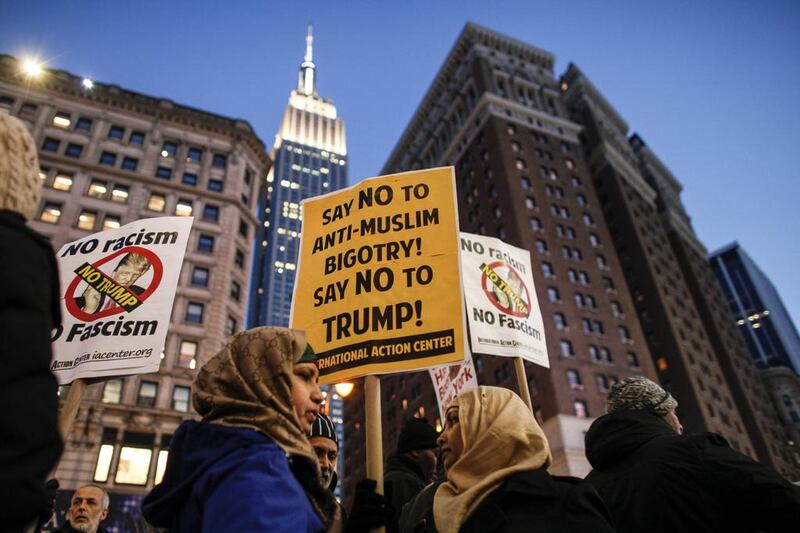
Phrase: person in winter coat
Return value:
(88, 507)
(656, 480)
(29, 310)
(495, 456)
(248, 466)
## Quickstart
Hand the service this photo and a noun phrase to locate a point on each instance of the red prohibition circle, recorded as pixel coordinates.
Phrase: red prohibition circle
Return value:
(158, 272)
(493, 300)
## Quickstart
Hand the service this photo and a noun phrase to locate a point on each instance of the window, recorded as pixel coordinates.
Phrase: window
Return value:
(574, 380)
(148, 391)
(164, 173)
(189, 179)
(215, 185)
(200, 276)
(624, 334)
(194, 313)
(243, 228)
(525, 183)
(569, 163)
(168, 149)
(520, 164)
(194, 155)
(136, 138)
(134, 458)
(581, 410)
(111, 222)
(577, 255)
(576, 181)
(560, 320)
(597, 325)
(593, 353)
(239, 258)
(601, 261)
(205, 243)
(219, 161)
(108, 159)
(62, 182)
(180, 399)
(536, 224)
(183, 208)
(50, 145)
(248, 176)
(119, 194)
(230, 325)
(608, 283)
(552, 294)
(130, 163)
(97, 189)
(103, 466)
(581, 200)
(583, 277)
(62, 120)
(6, 102)
(580, 302)
(73, 150)
(572, 275)
(51, 213)
(83, 124)
(530, 203)
(236, 291)
(86, 220)
(605, 356)
(211, 212)
(633, 361)
(541, 246)
(28, 111)
(187, 355)
(594, 240)
(116, 132)
(157, 202)
(547, 270)
(602, 383)
(586, 325)
(566, 348)
(616, 309)
(588, 220)
(112, 391)
(515, 147)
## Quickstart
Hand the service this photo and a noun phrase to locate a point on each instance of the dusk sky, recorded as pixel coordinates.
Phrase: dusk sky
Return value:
(711, 88)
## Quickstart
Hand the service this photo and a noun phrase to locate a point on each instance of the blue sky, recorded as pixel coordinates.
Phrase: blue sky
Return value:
(710, 86)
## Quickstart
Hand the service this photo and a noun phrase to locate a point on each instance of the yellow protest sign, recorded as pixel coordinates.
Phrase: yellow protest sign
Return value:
(378, 287)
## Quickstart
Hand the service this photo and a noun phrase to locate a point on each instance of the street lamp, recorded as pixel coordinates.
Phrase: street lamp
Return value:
(343, 389)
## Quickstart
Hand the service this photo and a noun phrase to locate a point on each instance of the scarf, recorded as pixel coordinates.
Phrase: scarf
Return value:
(248, 385)
(500, 438)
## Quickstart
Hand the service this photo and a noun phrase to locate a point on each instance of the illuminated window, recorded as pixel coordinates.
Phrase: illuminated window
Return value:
(194, 155)
(200, 276)
(112, 391)
(180, 399)
(161, 465)
(520, 164)
(187, 354)
(62, 120)
(51, 213)
(119, 194)
(103, 466)
(134, 458)
(148, 391)
(62, 182)
(136, 138)
(111, 222)
(50, 144)
(581, 410)
(662, 364)
(97, 189)
(73, 150)
(157, 202)
(205, 243)
(194, 313)
(116, 132)
(130, 163)
(183, 208)
(108, 159)
(211, 212)
(569, 163)
(86, 220)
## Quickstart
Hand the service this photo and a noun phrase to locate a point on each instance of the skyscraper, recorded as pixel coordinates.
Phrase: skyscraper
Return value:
(310, 155)
(761, 318)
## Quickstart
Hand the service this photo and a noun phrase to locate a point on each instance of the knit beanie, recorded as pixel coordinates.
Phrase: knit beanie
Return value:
(416, 434)
(323, 427)
(642, 394)
(20, 186)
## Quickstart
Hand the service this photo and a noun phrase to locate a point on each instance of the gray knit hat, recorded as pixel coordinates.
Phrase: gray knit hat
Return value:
(640, 393)
(323, 427)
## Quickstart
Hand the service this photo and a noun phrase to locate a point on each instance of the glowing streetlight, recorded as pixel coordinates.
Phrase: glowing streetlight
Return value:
(343, 389)
(32, 67)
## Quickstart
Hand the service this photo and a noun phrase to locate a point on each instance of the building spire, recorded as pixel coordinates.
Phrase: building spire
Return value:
(306, 84)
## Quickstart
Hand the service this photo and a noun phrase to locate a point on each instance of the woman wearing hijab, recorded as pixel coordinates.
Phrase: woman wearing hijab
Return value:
(248, 466)
(495, 456)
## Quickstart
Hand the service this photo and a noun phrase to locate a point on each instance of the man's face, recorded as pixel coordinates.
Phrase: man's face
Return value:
(86, 510)
(126, 275)
(328, 454)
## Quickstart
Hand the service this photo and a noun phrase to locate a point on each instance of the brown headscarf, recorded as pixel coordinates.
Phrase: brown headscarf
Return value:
(501, 438)
(248, 385)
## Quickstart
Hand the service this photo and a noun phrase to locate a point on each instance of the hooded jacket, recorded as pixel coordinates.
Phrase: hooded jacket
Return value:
(214, 472)
(654, 480)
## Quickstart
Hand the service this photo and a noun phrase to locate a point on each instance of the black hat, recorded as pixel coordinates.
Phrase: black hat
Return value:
(323, 427)
(416, 434)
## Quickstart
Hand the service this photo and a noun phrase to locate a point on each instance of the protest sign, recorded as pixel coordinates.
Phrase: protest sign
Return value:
(451, 380)
(117, 292)
(502, 308)
(378, 287)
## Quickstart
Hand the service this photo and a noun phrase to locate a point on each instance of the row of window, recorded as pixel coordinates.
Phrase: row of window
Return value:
(597, 355)
(195, 312)
(201, 278)
(148, 390)
(130, 460)
(604, 382)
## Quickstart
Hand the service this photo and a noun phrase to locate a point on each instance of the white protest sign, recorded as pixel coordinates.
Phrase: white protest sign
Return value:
(117, 289)
(502, 308)
(451, 380)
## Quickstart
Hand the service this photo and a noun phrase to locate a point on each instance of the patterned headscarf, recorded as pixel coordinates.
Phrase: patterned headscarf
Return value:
(248, 385)
(641, 394)
(500, 438)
